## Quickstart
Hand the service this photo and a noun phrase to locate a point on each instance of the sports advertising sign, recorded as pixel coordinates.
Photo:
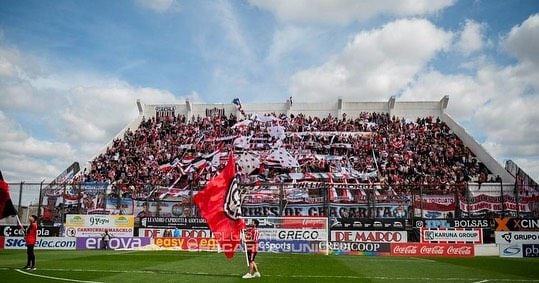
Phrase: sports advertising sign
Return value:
(50, 243)
(355, 248)
(369, 236)
(175, 233)
(516, 237)
(367, 224)
(424, 249)
(179, 222)
(16, 231)
(452, 235)
(188, 244)
(79, 225)
(516, 224)
(453, 223)
(106, 221)
(519, 250)
(83, 243)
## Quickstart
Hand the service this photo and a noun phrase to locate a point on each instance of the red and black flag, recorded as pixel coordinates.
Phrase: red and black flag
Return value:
(6, 205)
(220, 204)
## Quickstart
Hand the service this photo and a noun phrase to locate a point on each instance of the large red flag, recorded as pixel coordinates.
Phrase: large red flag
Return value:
(220, 205)
(6, 205)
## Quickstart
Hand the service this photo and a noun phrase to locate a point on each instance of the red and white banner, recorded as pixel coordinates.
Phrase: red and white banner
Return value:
(369, 236)
(417, 249)
(434, 206)
(452, 235)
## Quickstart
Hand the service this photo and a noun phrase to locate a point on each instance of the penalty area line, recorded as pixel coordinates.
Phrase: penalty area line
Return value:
(55, 278)
(388, 278)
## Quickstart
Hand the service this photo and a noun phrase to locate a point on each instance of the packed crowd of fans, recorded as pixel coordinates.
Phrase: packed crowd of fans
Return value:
(396, 153)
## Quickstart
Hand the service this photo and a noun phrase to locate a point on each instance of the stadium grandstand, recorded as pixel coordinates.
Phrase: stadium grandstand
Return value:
(344, 160)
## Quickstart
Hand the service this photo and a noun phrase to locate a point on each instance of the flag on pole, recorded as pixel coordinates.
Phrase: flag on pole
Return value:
(220, 204)
(6, 205)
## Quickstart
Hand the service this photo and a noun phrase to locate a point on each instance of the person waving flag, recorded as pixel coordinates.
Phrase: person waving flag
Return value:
(220, 204)
(6, 205)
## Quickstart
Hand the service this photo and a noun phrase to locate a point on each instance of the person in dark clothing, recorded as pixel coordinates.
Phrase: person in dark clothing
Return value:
(106, 238)
(31, 238)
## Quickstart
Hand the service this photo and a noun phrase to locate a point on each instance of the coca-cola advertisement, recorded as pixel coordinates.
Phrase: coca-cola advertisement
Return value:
(417, 249)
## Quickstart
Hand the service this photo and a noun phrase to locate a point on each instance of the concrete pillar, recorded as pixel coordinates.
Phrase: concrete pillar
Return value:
(391, 106)
(443, 103)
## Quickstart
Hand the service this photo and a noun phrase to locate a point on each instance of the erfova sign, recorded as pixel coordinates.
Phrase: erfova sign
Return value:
(114, 243)
(369, 236)
(423, 249)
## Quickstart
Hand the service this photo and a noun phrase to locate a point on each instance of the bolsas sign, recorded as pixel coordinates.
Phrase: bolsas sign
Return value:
(369, 236)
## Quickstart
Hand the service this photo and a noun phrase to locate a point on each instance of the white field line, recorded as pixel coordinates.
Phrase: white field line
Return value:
(295, 276)
(55, 278)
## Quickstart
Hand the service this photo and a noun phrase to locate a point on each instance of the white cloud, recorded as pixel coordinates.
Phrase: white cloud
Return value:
(523, 40)
(499, 102)
(471, 37)
(80, 110)
(375, 64)
(347, 11)
(23, 155)
(159, 6)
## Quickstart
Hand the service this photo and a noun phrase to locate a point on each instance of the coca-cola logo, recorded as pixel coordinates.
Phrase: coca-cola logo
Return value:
(417, 249)
(405, 250)
(432, 250)
(463, 250)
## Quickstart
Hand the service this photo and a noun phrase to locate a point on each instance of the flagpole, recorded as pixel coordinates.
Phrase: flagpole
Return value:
(19, 221)
(245, 246)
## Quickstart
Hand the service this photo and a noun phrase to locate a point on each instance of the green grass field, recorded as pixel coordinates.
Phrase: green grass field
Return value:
(174, 266)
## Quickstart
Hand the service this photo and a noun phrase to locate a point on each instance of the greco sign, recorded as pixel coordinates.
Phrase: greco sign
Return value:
(516, 237)
(452, 235)
(369, 236)
(424, 249)
(516, 224)
(16, 231)
(179, 222)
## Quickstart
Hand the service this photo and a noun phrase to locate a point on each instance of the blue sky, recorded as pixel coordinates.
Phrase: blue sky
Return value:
(70, 71)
